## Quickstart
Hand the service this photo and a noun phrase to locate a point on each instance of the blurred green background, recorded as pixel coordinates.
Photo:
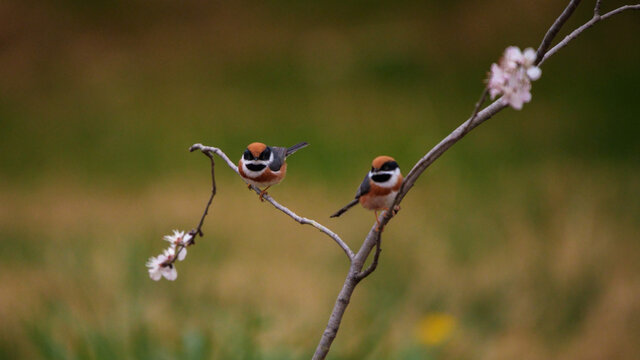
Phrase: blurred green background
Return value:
(521, 242)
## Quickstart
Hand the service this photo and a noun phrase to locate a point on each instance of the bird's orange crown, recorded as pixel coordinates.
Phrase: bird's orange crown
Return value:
(256, 148)
(380, 160)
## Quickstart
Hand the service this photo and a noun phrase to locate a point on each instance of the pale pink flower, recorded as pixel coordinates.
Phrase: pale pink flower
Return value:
(534, 73)
(179, 238)
(155, 267)
(513, 75)
(159, 267)
(497, 79)
(512, 57)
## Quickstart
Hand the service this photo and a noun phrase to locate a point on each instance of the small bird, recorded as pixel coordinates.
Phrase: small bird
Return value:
(264, 166)
(379, 187)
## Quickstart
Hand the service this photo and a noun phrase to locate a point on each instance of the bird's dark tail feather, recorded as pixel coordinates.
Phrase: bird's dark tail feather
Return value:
(344, 209)
(296, 147)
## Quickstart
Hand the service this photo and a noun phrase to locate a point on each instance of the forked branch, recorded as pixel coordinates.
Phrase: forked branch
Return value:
(477, 117)
(594, 20)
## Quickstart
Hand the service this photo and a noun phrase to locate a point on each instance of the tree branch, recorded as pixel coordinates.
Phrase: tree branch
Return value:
(594, 20)
(198, 230)
(209, 151)
(481, 101)
(596, 8)
(374, 263)
(619, 10)
(477, 117)
(554, 29)
(373, 237)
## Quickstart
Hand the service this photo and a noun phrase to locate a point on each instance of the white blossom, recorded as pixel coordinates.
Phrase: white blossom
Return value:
(513, 75)
(534, 73)
(529, 56)
(179, 238)
(158, 269)
(155, 267)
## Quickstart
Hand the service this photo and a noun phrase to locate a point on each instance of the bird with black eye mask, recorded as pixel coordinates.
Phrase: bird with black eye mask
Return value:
(263, 166)
(379, 188)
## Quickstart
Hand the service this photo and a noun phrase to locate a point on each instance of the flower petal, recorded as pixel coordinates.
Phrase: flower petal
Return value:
(513, 56)
(534, 73)
(155, 274)
(170, 273)
(529, 56)
(182, 254)
(187, 239)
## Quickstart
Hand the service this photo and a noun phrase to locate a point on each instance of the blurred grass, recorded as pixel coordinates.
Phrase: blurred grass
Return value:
(525, 233)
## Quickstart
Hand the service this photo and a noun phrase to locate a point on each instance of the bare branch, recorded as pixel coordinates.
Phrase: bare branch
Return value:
(315, 224)
(443, 146)
(477, 117)
(344, 297)
(216, 151)
(554, 29)
(208, 150)
(373, 237)
(574, 34)
(596, 9)
(198, 230)
(355, 272)
(374, 263)
(481, 101)
(619, 10)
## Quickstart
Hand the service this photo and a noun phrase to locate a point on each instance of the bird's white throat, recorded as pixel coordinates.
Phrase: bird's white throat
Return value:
(391, 182)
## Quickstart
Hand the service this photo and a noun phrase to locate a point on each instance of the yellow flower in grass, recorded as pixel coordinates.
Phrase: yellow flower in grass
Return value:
(435, 328)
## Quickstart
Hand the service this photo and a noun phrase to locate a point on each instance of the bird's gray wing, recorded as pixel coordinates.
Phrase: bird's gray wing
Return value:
(364, 187)
(279, 154)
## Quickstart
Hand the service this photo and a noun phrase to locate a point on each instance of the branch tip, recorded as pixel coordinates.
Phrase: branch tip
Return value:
(596, 9)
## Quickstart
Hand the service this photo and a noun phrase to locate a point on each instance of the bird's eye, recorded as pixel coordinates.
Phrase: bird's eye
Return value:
(247, 155)
(388, 166)
(265, 154)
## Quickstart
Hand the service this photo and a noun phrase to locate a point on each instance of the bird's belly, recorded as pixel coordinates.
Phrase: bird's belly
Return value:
(262, 183)
(378, 202)
(264, 178)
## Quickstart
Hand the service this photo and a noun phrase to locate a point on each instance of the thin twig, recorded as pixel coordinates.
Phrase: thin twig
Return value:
(619, 10)
(574, 34)
(596, 9)
(554, 29)
(374, 263)
(302, 220)
(481, 101)
(477, 118)
(198, 230)
(216, 151)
